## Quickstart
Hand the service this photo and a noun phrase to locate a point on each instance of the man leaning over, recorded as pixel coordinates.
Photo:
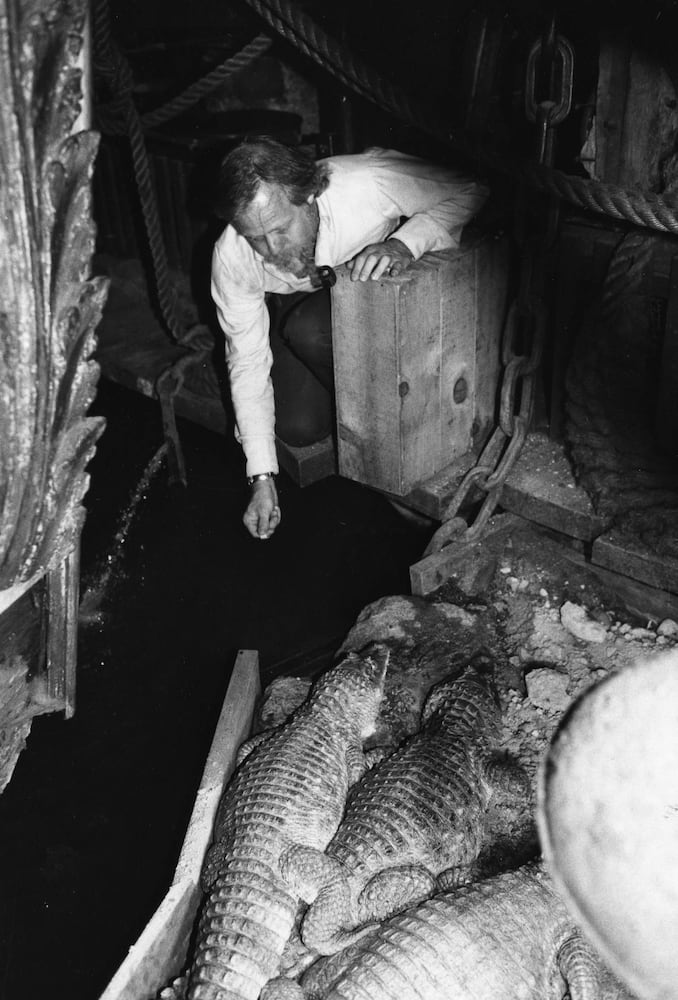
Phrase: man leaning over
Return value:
(288, 216)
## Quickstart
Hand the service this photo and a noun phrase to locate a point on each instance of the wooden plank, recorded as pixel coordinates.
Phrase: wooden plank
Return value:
(631, 557)
(233, 728)
(613, 81)
(161, 951)
(420, 399)
(458, 320)
(309, 464)
(366, 360)
(433, 571)
(541, 488)
(431, 496)
(63, 589)
(638, 598)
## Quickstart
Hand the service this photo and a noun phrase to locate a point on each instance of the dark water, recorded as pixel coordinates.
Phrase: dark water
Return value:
(92, 821)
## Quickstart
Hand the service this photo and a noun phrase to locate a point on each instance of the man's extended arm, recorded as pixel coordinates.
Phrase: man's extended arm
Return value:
(238, 294)
(243, 316)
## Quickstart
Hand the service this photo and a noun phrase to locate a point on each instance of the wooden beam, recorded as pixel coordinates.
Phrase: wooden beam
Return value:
(638, 598)
(611, 98)
(631, 557)
(309, 464)
(541, 488)
(432, 496)
(453, 561)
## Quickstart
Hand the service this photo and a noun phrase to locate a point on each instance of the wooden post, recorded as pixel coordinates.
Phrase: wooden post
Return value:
(636, 115)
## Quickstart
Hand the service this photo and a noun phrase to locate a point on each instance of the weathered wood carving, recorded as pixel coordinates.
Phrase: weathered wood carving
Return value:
(48, 307)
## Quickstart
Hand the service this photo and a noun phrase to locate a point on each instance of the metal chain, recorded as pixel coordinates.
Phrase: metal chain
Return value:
(524, 330)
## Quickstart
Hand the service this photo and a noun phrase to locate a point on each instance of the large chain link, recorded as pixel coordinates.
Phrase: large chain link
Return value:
(525, 326)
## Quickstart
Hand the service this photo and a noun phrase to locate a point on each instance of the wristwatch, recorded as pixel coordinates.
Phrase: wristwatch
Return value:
(251, 480)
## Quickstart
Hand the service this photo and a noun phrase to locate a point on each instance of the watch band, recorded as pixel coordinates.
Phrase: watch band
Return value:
(251, 480)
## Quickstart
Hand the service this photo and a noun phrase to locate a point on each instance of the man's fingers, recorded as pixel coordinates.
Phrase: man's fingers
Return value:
(374, 261)
(250, 520)
(372, 266)
(260, 521)
(383, 264)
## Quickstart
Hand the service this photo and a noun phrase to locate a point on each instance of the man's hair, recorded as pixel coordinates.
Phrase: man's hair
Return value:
(264, 160)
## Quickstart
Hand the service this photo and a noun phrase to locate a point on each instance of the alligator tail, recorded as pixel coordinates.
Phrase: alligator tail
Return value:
(245, 923)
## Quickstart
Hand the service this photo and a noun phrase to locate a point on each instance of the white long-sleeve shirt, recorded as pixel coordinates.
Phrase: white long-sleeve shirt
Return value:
(365, 199)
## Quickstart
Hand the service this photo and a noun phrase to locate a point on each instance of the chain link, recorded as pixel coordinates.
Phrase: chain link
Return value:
(525, 326)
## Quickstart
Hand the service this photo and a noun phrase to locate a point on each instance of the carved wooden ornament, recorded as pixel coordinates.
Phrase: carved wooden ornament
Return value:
(48, 308)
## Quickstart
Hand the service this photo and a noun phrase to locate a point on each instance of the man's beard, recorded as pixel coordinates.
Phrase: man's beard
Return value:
(301, 263)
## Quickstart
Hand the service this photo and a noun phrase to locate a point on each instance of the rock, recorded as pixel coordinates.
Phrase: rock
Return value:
(427, 640)
(547, 689)
(642, 633)
(668, 628)
(400, 619)
(577, 621)
(281, 697)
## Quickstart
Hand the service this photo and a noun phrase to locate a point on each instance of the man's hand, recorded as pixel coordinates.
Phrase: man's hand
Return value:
(390, 257)
(262, 516)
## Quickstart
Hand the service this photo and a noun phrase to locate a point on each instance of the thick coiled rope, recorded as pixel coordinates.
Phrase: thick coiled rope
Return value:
(651, 211)
(116, 70)
(208, 83)
(110, 116)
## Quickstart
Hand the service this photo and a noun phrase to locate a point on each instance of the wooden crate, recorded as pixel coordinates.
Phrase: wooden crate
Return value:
(416, 365)
(160, 953)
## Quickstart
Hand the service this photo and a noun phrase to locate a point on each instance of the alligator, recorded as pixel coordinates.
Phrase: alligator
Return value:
(508, 936)
(282, 805)
(414, 824)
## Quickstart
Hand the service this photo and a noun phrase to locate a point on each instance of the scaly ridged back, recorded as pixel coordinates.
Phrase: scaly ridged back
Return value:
(290, 790)
(424, 803)
(414, 816)
(494, 939)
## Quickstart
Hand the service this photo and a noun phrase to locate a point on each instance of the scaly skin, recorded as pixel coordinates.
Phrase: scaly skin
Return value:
(288, 794)
(414, 824)
(506, 938)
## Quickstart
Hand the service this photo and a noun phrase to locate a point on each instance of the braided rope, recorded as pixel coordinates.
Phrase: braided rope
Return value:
(651, 211)
(208, 83)
(117, 70)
